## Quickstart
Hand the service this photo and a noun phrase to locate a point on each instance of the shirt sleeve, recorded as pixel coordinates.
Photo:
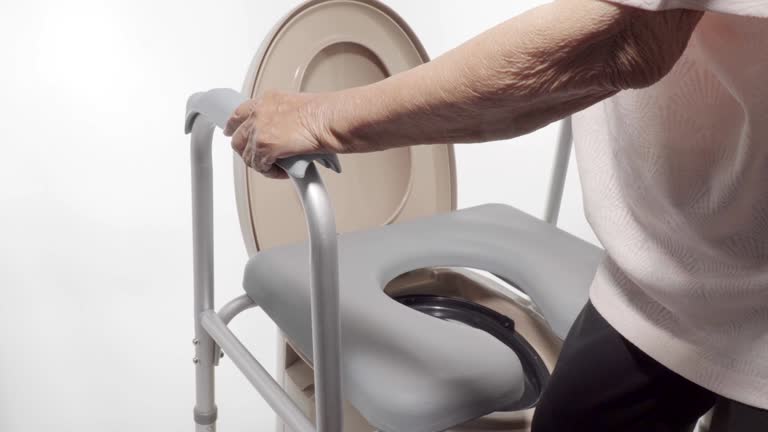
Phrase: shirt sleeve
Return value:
(754, 8)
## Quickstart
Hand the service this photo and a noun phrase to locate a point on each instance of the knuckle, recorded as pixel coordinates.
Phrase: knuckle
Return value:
(242, 110)
(270, 94)
(237, 141)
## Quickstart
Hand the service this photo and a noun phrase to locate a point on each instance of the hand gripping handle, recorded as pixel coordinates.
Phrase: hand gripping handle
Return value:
(217, 106)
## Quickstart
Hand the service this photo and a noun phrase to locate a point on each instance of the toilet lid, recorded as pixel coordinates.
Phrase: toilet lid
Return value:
(327, 45)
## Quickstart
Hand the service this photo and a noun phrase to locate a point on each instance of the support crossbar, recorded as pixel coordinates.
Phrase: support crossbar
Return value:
(261, 380)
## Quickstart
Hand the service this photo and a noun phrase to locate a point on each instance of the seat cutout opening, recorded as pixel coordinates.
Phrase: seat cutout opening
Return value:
(461, 296)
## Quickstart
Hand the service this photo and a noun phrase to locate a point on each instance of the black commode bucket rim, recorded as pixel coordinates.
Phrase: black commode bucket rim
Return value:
(500, 326)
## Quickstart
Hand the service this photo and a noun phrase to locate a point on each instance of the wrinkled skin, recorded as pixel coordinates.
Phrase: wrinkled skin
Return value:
(517, 77)
(276, 125)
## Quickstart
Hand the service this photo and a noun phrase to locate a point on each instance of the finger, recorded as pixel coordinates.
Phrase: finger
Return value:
(259, 153)
(240, 115)
(275, 172)
(262, 161)
(251, 158)
(247, 157)
(259, 162)
(241, 137)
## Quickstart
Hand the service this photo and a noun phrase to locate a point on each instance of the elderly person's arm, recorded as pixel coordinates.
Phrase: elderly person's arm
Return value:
(517, 77)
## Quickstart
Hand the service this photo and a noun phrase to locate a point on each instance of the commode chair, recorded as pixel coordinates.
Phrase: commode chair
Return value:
(385, 326)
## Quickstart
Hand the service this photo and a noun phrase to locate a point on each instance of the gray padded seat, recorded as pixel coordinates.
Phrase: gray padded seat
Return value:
(409, 372)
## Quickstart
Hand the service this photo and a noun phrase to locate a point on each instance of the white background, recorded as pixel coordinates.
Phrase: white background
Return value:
(95, 247)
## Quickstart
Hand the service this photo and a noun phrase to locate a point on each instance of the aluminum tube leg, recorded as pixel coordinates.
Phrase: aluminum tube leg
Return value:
(269, 389)
(205, 412)
(326, 328)
(559, 172)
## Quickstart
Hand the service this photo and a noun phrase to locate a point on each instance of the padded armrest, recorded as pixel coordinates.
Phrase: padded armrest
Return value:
(296, 166)
(217, 106)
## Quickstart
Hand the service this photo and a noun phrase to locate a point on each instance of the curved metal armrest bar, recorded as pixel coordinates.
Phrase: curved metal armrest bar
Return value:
(326, 326)
(237, 305)
(228, 312)
(213, 108)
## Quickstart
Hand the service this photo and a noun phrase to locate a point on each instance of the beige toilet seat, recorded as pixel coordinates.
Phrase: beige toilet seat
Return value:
(331, 45)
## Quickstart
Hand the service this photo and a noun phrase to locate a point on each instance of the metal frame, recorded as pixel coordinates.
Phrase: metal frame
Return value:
(205, 111)
(559, 171)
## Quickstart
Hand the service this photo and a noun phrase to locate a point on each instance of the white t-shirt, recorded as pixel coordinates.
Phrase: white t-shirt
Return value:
(675, 183)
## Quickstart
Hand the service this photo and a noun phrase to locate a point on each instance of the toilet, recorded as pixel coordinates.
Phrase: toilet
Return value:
(327, 45)
(423, 318)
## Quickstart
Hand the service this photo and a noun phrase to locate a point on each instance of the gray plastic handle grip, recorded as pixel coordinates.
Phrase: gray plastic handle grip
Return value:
(217, 106)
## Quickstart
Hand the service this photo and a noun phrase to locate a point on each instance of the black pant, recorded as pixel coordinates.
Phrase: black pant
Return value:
(603, 383)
